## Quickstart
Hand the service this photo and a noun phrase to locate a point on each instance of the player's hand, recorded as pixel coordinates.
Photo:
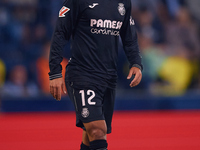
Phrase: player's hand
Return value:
(55, 88)
(138, 76)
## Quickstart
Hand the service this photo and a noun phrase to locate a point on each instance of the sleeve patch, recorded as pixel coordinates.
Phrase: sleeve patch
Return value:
(132, 22)
(63, 11)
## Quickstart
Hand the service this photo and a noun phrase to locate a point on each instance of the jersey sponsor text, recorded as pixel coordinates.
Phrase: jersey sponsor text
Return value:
(110, 27)
(106, 23)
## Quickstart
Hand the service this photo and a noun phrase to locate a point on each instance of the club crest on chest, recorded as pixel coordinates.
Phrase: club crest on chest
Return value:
(121, 9)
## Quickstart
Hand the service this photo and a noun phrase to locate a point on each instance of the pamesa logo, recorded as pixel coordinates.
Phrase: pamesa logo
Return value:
(109, 27)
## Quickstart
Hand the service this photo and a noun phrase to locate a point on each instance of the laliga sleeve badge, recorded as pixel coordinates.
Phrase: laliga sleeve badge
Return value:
(63, 11)
(121, 9)
(85, 113)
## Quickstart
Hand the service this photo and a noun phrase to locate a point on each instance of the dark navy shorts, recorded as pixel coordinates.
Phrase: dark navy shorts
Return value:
(91, 102)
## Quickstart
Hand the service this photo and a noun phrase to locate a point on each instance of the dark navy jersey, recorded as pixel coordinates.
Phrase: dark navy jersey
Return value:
(95, 27)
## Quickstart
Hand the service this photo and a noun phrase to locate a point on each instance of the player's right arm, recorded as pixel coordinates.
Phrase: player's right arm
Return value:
(64, 27)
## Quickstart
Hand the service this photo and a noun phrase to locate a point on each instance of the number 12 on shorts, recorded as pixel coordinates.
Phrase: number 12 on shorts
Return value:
(90, 93)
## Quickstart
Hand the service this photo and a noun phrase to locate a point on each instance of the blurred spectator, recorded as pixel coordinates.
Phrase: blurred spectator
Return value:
(149, 25)
(175, 74)
(18, 84)
(2, 73)
(173, 6)
(151, 4)
(40, 33)
(2, 78)
(153, 57)
(42, 64)
(183, 31)
(194, 6)
(3, 25)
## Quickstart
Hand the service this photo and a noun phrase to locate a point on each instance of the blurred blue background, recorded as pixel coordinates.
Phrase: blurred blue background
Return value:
(168, 35)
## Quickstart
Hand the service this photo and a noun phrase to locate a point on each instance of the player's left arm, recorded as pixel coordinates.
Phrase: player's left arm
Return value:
(130, 44)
